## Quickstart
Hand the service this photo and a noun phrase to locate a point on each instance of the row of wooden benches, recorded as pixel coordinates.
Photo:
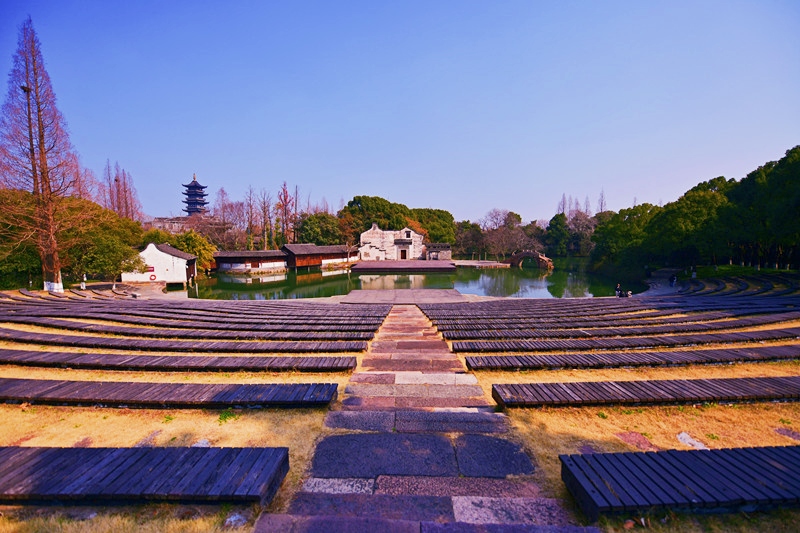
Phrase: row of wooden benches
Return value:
(630, 359)
(123, 343)
(161, 395)
(671, 391)
(180, 363)
(327, 334)
(627, 343)
(629, 331)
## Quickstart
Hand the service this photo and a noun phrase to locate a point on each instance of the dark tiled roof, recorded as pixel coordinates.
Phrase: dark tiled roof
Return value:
(254, 254)
(169, 250)
(313, 249)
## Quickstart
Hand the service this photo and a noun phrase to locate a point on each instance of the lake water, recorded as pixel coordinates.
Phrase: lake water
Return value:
(568, 280)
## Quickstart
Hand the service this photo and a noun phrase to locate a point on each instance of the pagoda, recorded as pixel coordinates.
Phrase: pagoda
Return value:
(195, 197)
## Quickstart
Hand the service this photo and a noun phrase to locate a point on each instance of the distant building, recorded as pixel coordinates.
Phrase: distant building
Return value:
(438, 251)
(164, 264)
(195, 197)
(251, 261)
(169, 224)
(390, 245)
(311, 255)
(292, 256)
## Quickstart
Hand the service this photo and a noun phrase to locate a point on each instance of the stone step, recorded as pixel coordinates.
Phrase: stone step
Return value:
(421, 365)
(270, 523)
(378, 403)
(482, 510)
(424, 486)
(403, 507)
(419, 421)
(378, 346)
(273, 523)
(460, 486)
(369, 455)
(414, 391)
(414, 356)
(414, 378)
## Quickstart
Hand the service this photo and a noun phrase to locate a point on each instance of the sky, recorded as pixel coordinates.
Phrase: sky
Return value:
(462, 105)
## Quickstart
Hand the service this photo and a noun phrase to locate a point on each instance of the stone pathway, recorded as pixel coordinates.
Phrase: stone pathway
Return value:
(424, 450)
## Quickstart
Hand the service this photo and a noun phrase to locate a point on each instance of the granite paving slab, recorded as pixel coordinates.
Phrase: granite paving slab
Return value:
(431, 378)
(484, 456)
(361, 420)
(374, 454)
(404, 507)
(352, 485)
(450, 422)
(374, 378)
(461, 527)
(417, 403)
(272, 523)
(488, 510)
(422, 365)
(414, 391)
(459, 486)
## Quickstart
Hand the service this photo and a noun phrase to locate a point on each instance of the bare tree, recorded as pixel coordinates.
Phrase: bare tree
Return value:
(601, 202)
(285, 209)
(119, 194)
(265, 212)
(250, 215)
(36, 151)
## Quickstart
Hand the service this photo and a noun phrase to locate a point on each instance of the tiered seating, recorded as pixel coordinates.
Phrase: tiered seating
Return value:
(592, 326)
(191, 326)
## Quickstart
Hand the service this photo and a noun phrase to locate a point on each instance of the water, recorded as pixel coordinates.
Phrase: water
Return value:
(568, 280)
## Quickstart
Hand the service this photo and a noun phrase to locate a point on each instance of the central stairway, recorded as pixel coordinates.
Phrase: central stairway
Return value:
(420, 449)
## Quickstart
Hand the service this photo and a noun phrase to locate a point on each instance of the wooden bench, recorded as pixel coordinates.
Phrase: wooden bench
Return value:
(720, 480)
(185, 363)
(116, 475)
(178, 345)
(161, 395)
(671, 391)
(627, 359)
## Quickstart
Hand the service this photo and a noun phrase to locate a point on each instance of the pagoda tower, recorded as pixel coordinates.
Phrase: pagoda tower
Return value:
(195, 197)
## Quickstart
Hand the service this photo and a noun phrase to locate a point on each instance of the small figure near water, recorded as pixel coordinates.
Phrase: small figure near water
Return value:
(621, 293)
(672, 280)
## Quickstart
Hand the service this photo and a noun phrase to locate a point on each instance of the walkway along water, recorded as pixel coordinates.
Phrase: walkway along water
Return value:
(421, 447)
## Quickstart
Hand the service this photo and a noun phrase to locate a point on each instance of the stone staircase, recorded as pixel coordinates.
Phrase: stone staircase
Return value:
(421, 450)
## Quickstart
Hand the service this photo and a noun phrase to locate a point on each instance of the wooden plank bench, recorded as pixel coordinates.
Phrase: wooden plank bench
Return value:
(729, 479)
(116, 475)
(183, 363)
(161, 395)
(125, 343)
(647, 392)
(629, 359)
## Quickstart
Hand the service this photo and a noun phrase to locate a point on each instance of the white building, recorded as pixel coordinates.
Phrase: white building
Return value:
(390, 245)
(164, 264)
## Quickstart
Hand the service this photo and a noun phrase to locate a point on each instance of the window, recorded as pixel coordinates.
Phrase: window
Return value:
(408, 235)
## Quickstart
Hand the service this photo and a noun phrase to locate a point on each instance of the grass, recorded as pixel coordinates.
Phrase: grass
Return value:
(719, 271)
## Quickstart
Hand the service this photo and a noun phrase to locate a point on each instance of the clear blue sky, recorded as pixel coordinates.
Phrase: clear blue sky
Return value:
(464, 105)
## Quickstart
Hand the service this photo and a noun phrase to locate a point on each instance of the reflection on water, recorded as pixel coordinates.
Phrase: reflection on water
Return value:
(569, 280)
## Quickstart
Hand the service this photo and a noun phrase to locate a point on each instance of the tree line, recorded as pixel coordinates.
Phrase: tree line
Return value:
(751, 222)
